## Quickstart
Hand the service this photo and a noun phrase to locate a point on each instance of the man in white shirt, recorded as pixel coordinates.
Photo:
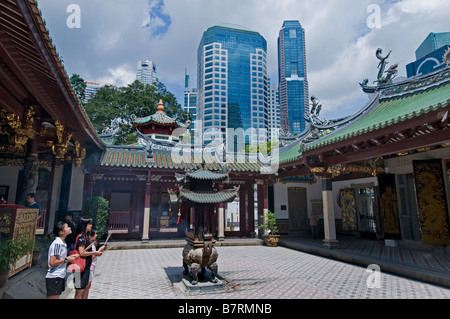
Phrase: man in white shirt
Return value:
(55, 280)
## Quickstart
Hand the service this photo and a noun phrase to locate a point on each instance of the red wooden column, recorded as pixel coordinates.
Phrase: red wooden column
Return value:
(263, 203)
(220, 219)
(243, 210)
(251, 210)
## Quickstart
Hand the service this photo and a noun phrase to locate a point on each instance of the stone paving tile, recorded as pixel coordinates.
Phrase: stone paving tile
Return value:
(249, 272)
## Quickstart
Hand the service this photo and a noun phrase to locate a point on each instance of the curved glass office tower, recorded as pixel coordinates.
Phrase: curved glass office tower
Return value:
(294, 96)
(232, 81)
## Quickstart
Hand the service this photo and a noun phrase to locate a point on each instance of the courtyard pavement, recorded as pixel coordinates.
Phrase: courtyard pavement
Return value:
(298, 269)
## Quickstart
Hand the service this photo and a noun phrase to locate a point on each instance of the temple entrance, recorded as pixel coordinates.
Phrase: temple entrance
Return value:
(298, 211)
(163, 217)
(123, 216)
(119, 216)
(366, 211)
(410, 224)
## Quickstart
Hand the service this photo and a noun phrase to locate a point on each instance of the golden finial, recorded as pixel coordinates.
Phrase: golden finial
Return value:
(161, 106)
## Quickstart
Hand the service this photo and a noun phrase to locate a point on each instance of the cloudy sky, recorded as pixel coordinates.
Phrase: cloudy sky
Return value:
(341, 38)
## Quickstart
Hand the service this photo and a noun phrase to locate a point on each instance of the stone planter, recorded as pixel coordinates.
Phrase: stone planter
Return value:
(272, 240)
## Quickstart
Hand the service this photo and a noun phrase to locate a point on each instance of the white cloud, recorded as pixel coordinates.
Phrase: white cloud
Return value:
(424, 7)
(340, 48)
(118, 76)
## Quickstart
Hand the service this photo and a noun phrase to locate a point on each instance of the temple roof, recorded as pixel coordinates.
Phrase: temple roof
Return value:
(136, 157)
(290, 153)
(390, 112)
(227, 195)
(160, 117)
(33, 73)
(389, 106)
(204, 174)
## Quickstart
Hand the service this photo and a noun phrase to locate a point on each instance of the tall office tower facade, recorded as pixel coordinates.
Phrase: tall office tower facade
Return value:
(432, 42)
(91, 90)
(274, 112)
(232, 82)
(190, 101)
(146, 72)
(293, 86)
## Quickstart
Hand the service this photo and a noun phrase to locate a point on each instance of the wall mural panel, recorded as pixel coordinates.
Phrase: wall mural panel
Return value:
(389, 206)
(348, 208)
(432, 201)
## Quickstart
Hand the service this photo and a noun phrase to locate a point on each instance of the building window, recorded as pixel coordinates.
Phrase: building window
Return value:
(292, 33)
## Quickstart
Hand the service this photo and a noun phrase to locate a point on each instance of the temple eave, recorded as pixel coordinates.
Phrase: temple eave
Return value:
(225, 196)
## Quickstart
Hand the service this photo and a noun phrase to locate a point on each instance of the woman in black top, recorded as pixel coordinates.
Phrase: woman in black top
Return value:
(85, 225)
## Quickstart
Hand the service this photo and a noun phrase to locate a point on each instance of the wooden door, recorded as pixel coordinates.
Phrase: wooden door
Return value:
(298, 209)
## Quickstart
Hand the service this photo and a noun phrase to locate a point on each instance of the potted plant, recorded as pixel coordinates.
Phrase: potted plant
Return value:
(10, 252)
(271, 238)
(40, 245)
(232, 222)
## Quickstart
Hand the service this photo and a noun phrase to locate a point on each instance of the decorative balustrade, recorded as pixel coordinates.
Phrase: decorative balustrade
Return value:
(40, 224)
(120, 220)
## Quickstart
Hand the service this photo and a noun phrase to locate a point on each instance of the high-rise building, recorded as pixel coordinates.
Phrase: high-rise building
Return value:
(146, 72)
(431, 43)
(190, 101)
(293, 86)
(429, 55)
(91, 90)
(232, 81)
(274, 110)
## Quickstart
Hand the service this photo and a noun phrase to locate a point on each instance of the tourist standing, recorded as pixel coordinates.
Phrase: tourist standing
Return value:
(85, 226)
(55, 280)
(31, 203)
(92, 235)
(313, 223)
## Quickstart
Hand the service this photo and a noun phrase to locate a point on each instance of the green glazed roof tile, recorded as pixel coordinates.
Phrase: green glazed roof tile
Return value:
(227, 195)
(160, 117)
(390, 112)
(207, 175)
(121, 157)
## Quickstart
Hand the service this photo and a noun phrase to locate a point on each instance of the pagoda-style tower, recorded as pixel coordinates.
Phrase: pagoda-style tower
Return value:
(201, 199)
(159, 123)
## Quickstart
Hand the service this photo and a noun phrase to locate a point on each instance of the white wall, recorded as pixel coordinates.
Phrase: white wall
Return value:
(280, 196)
(314, 192)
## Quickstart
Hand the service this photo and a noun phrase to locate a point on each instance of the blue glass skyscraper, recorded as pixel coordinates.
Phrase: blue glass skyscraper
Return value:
(294, 95)
(232, 80)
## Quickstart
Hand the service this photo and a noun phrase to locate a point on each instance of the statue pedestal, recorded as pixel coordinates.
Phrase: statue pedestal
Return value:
(204, 284)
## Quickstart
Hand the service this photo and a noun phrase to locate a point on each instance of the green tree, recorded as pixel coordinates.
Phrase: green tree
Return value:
(111, 103)
(98, 209)
(78, 86)
(103, 107)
